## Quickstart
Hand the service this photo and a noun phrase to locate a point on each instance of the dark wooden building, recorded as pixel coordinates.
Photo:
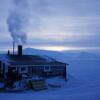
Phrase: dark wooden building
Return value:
(31, 65)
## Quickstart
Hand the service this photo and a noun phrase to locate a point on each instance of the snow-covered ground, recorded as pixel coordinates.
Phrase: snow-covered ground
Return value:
(83, 80)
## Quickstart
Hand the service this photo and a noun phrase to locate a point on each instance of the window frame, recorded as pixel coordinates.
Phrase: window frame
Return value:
(47, 68)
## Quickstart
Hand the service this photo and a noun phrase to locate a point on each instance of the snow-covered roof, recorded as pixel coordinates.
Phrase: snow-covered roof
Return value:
(28, 60)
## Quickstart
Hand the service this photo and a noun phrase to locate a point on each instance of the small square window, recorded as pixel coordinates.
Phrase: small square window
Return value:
(47, 68)
(23, 69)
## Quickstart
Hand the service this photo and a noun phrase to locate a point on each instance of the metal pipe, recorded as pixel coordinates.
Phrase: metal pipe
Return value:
(13, 47)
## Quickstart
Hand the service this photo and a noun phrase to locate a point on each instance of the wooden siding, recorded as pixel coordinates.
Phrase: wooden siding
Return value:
(54, 70)
(0, 67)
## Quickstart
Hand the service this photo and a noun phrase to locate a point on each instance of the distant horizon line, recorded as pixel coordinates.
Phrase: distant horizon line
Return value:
(53, 48)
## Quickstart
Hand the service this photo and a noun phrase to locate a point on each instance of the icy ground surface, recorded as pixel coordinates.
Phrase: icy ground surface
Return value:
(83, 84)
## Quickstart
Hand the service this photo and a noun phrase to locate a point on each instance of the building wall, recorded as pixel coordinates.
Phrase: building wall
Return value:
(49, 71)
(0, 66)
(56, 71)
(42, 70)
(2, 69)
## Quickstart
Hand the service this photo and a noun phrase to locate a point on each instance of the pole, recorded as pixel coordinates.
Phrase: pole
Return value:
(13, 47)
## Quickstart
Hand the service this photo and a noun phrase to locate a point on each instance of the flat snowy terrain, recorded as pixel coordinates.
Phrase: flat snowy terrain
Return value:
(83, 80)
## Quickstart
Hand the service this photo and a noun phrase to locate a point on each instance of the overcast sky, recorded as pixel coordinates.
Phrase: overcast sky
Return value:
(56, 24)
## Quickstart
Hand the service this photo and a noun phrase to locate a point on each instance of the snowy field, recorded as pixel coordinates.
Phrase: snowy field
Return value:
(83, 83)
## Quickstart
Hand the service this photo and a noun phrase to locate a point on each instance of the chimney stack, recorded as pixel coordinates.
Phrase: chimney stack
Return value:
(20, 50)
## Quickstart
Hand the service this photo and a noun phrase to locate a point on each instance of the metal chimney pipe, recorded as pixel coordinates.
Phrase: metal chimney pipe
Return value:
(13, 47)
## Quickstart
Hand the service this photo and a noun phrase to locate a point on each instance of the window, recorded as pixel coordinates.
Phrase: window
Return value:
(23, 69)
(47, 68)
